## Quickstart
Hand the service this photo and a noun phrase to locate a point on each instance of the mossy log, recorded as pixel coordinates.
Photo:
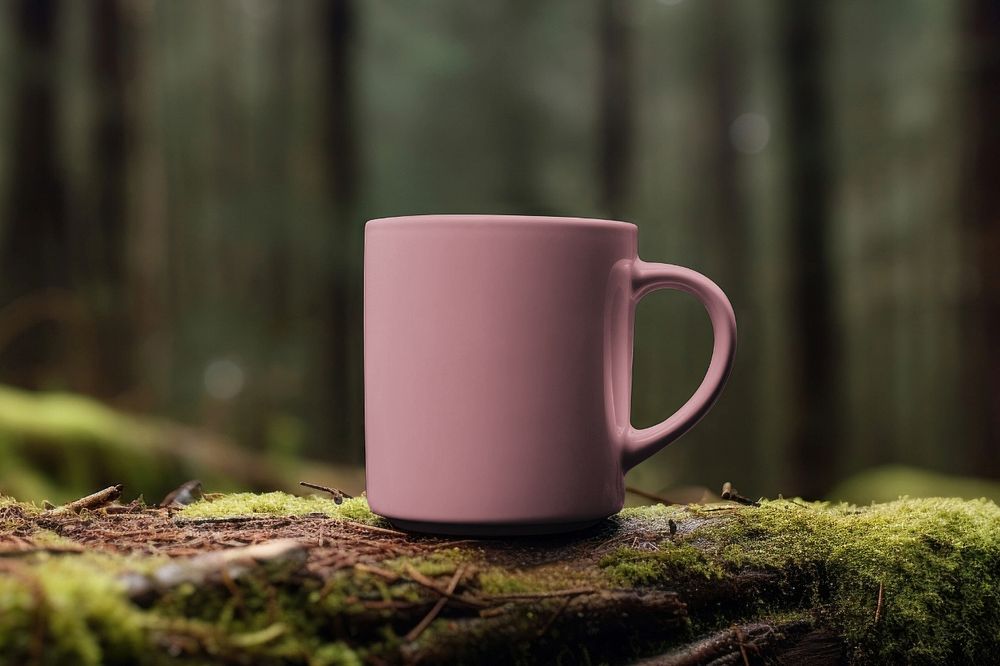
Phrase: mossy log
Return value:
(278, 579)
(78, 440)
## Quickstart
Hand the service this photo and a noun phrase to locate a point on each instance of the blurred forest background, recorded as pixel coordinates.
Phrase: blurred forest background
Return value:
(184, 184)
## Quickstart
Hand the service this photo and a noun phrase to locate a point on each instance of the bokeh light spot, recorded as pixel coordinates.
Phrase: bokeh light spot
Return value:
(224, 379)
(750, 133)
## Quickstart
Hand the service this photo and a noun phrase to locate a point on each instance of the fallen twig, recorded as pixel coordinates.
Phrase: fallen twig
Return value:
(559, 611)
(390, 576)
(729, 493)
(338, 495)
(231, 563)
(423, 580)
(878, 605)
(727, 646)
(375, 528)
(92, 501)
(414, 633)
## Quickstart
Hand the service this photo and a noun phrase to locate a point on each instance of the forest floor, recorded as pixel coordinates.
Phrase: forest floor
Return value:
(280, 579)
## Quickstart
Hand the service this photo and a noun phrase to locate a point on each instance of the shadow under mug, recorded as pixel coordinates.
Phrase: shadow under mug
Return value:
(498, 370)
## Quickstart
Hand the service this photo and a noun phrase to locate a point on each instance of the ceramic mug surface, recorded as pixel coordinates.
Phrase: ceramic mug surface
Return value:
(498, 369)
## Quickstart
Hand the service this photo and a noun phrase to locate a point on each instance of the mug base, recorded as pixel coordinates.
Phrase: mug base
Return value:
(488, 530)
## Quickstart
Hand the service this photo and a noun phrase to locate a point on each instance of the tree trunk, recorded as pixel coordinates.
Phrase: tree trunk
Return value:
(102, 263)
(616, 121)
(728, 242)
(34, 248)
(814, 435)
(344, 310)
(278, 579)
(982, 215)
(148, 241)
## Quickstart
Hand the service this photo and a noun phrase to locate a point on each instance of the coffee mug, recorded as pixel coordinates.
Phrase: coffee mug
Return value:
(498, 370)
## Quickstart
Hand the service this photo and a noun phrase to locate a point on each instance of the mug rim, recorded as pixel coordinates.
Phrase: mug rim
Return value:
(555, 220)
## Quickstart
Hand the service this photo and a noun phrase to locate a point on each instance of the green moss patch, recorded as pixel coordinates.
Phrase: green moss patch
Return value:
(547, 578)
(237, 505)
(937, 562)
(442, 562)
(665, 565)
(69, 609)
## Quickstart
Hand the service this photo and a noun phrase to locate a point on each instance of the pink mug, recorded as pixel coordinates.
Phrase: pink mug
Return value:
(498, 370)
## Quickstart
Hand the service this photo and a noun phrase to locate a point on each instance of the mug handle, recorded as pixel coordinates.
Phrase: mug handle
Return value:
(639, 444)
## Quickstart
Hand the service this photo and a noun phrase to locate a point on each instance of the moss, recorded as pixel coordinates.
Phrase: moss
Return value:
(23, 508)
(937, 560)
(281, 504)
(356, 509)
(632, 567)
(504, 580)
(263, 618)
(49, 539)
(335, 654)
(500, 581)
(71, 608)
(653, 512)
(440, 563)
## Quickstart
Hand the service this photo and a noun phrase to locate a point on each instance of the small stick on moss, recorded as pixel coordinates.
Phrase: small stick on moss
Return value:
(495, 611)
(378, 571)
(878, 604)
(212, 566)
(338, 495)
(93, 501)
(555, 616)
(423, 580)
(729, 493)
(375, 528)
(414, 633)
(648, 495)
